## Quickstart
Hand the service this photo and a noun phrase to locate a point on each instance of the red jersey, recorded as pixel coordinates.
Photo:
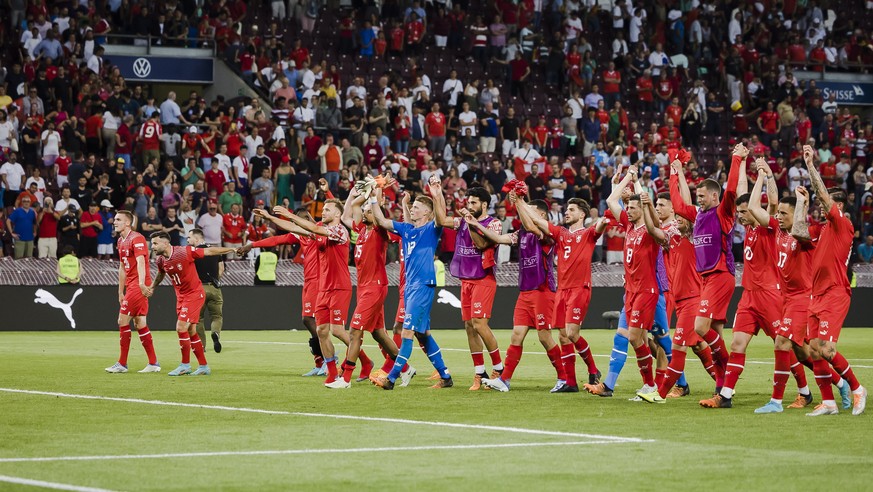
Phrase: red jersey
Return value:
(640, 258)
(833, 249)
(394, 238)
(129, 249)
(233, 225)
(681, 264)
(179, 267)
(644, 89)
(333, 253)
(63, 162)
(435, 124)
(795, 264)
(674, 113)
(575, 249)
(192, 142)
(611, 87)
(150, 133)
(370, 255)
(759, 250)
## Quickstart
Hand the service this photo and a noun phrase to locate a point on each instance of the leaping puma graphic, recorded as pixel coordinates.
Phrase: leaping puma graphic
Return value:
(446, 297)
(45, 297)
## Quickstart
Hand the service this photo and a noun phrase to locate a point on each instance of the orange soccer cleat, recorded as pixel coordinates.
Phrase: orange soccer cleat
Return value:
(716, 401)
(678, 392)
(379, 373)
(598, 389)
(443, 383)
(801, 401)
(477, 384)
(435, 376)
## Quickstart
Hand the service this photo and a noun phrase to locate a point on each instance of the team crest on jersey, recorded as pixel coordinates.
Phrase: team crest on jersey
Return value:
(184, 311)
(179, 266)
(578, 239)
(823, 325)
(775, 324)
(793, 245)
(577, 311)
(704, 303)
(787, 321)
(477, 305)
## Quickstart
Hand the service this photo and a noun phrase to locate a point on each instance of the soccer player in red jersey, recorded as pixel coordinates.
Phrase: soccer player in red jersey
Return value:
(177, 263)
(334, 283)
(369, 312)
(831, 293)
(473, 263)
(575, 246)
(310, 277)
(134, 279)
(713, 227)
(641, 286)
(536, 301)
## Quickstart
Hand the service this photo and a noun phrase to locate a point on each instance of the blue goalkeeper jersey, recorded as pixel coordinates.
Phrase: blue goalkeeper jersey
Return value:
(419, 248)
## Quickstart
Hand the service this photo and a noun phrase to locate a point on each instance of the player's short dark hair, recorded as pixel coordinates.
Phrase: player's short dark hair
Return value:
(582, 204)
(481, 194)
(542, 206)
(789, 200)
(336, 202)
(838, 195)
(744, 198)
(303, 212)
(160, 235)
(68, 250)
(634, 198)
(425, 200)
(664, 196)
(196, 231)
(710, 185)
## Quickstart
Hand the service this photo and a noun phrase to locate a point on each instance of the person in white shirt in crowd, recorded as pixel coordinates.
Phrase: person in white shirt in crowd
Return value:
(528, 154)
(452, 87)
(468, 120)
(253, 141)
(51, 144)
(797, 176)
(224, 165)
(11, 179)
(241, 171)
(659, 60)
(36, 178)
(303, 115)
(7, 131)
(635, 26)
(95, 61)
(65, 201)
(210, 223)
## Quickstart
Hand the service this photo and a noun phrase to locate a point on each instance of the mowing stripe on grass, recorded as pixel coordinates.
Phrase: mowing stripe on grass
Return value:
(768, 362)
(455, 447)
(515, 430)
(48, 485)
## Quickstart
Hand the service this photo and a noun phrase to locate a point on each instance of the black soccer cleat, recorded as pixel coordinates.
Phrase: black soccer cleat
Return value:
(387, 384)
(594, 378)
(566, 388)
(216, 342)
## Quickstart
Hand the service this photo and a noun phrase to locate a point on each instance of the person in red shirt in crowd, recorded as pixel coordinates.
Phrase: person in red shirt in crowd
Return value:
(645, 89)
(421, 156)
(541, 134)
(673, 112)
(234, 141)
(797, 53)
(602, 116)
(435, 129)
(817, 57)
(803, 125)
(398, 38)
(215, 179)
(62, 166)
(91, 223)
(769, 124)
(311, 144)
(92, 131)
(150, 137)
(414, 33)
(664, 91)
(300, 54)
(233, 229)
(611, 84)
(372, 152)
(191, 142)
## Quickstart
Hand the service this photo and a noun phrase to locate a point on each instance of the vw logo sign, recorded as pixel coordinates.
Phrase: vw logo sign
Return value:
(142, 68)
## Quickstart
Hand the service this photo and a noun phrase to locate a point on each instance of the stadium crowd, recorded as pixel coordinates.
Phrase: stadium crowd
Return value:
(475, 94)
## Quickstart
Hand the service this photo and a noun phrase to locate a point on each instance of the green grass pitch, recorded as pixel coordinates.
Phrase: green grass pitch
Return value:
(523, 440)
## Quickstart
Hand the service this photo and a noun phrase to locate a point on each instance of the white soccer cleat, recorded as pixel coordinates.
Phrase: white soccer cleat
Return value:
(340, 383)
(116, 368)
(646, 389)
(860, 402)
(150, 368)
(496, 383)
(406, 376)
(823, 409)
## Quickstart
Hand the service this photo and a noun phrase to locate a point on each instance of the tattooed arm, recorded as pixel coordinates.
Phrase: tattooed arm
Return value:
(800, 229)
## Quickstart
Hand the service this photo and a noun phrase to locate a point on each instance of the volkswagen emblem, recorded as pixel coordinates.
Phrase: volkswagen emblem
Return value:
(142, 68)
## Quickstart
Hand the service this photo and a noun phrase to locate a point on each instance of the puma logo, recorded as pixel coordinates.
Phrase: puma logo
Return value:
(45, 297)
(446, 297)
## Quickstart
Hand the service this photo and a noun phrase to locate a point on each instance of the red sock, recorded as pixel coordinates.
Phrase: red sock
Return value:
(124, 342)
(331, 371)
(513, 357)
(348, 369)
(568, 357)
(365, 361)
(644, 362)
(478, 362)
(585, 352)
(496, 361)
(397, 339)
(318, 360)
(705, 356)
(389, 363)
(736, 364)
(197, 347)
(145, 337)
(796, 370)
(185, 344)
(823, 379)
(780, 373)
(674, 370)
(719, 350)
(554, 354)
(660, 374)
(835, 378)
(845, 370)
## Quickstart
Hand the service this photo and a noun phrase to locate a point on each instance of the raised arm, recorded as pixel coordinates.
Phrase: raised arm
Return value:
(404, 205)
(772, 190)
(490, 235)
(743, 179)
(758, 213)
(381, 221)
(439, 204)
(800, 229)
(728, 205)
(217, 251)
(307, 226)
(352, 211)
(818, 186)
(282, 223)
(529, 218)
(613, 201)
(651, 220)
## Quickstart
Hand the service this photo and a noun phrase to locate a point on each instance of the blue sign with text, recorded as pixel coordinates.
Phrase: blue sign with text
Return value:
(848, 93)
(164, 69)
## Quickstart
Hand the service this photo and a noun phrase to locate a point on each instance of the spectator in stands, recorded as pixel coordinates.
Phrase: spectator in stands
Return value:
(12, 180)
(68, 225)
(22, 225)
(865, 250)
(331, 158)
(211, 223)
(229, 198)
(263, 188)
(91, 224)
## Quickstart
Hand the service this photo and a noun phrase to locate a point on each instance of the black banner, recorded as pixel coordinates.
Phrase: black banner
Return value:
(88, 308)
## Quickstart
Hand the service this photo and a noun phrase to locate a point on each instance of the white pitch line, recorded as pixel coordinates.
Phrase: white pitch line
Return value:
(515, 430)
(48, 485)
(445, 349)
(452, 447)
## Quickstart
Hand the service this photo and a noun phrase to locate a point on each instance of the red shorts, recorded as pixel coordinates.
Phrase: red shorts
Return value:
(759, 310)
(134, 303)
(332, 307)
(686, 312)
(477, 297)
(715, 295)
(639, 307)
(310, 297)
(370, 311)
(571, 306)
(534, 308)
(795, 315)
(188, 308)
(827, 313)
(401, 306)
